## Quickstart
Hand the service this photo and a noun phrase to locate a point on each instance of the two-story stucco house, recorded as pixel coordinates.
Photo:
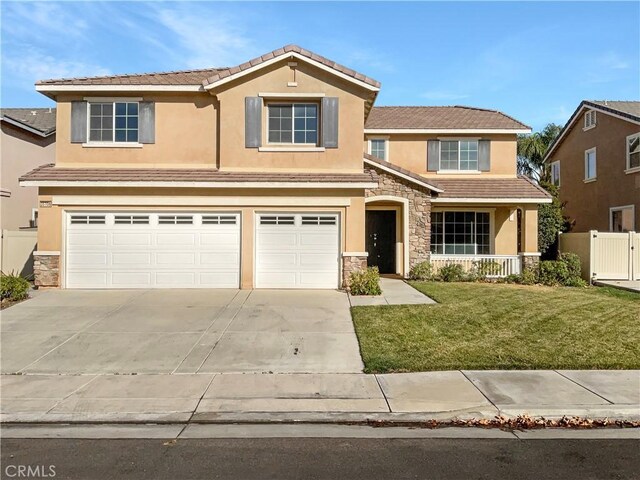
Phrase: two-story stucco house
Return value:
(255, 177)
(595, 162)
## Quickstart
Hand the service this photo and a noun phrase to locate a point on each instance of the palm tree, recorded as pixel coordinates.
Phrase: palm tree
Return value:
(531, 151)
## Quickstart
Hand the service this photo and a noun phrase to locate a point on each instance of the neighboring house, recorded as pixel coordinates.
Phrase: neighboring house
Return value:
(595, 162)
(28, 141)
(255, 176)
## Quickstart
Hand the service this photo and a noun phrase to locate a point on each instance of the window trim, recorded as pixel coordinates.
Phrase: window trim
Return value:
(292, 146)
(590, 114)
(492, 239)
(111, 144)
(386, 145)
(586, 165)
(458, 171)
(553, 164)
(629, 168)
(621, 208)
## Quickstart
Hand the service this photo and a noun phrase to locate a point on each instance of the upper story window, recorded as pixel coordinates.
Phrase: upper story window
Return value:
(555, 173)
(459, 155)
(113, 122)
(378, 148)
(294, 123)
(633, 151)
(590, 119)
(590, 164)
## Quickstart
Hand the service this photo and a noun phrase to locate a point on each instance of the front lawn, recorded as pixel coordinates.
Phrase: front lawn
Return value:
(499, 326)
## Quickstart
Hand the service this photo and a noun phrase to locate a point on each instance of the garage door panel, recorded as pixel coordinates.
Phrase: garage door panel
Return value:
(131, 258)
(90, 239)
(195, 254)
(131, 279)
(131, 239)
(294, 252)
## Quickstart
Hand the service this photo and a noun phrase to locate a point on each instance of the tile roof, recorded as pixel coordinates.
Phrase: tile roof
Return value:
(629, 107)
(223, 73)
(520, 187)
(52, 173)
(178, 77)
(42, 120)
(402, 171)
(205, 76)
(452, 117)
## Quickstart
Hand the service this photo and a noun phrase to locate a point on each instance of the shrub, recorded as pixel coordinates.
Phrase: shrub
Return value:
(564, 271)
(530, 276)
(452, 272)
(573, 264)
(485, 269)
(365, 282)
(14, 287)
(421, 271)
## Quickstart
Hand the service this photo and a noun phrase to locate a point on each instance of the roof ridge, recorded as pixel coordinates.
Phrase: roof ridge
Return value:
(125, 75)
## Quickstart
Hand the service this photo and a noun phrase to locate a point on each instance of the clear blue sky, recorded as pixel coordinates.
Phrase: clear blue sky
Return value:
(534, 61)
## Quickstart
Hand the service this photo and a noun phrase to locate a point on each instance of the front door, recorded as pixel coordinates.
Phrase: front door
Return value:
(381, 240)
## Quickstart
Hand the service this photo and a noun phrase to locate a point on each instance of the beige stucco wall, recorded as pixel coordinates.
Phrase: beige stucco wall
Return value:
(50, 233)
(588, 203)
(410, 151)
(185, 134)
(21, 152)
(274, 79)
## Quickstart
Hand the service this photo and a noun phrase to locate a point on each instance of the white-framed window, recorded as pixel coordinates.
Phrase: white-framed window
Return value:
(590, 164)
(292, 123)
(461, 233)
(622, 219)
(555, 173)
(459, 155)
(589, 119)
(633, 151)
(379, 147)
(113, 122)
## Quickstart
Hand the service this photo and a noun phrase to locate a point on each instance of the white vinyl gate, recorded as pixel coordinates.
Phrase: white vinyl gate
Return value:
(152, 250)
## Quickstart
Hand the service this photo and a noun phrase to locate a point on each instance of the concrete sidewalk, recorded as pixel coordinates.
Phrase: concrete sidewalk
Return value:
(325, 398)
(394, 292)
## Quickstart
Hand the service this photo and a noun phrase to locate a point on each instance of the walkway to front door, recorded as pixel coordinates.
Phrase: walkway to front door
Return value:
(381, 240)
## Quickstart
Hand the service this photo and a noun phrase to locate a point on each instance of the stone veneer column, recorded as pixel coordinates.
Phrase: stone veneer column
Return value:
(530, 260)
(46, 269)
(352, 262)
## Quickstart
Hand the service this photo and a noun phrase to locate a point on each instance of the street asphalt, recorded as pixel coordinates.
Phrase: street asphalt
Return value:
(324, 458)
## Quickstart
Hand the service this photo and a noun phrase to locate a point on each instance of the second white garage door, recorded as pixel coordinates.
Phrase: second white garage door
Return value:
(152, 250)
(297, 250)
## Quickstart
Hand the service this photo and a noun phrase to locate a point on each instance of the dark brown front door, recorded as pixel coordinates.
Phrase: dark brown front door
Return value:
(381, 240)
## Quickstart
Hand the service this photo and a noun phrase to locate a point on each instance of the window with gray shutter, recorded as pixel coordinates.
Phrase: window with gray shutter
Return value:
(252, 122)
(147, 122)
(330, 114)
(484, 155)
(78, 122)
(433, 155)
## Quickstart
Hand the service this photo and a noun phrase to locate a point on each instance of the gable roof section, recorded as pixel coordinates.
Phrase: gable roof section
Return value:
(227, 75)
(41, 121)
(178, 77)
(400, 172)
(50, 175)
(491, 190)
(434, 119)
(623, 109)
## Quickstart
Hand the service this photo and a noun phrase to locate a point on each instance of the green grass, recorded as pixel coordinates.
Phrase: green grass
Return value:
(498, 326)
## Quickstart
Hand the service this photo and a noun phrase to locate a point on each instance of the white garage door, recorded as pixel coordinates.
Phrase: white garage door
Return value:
(152, 250)
(297, 250)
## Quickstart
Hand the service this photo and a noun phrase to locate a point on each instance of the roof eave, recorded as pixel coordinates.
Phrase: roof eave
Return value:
(28, 128)
(466, 131)
(26, 182)
(494, 200)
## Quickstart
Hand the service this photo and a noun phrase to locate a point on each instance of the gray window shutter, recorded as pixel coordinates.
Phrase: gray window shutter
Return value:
(484, 155)
(147, 122)
(433, 155)
(330, 107)
(252, 122)
(78, 122)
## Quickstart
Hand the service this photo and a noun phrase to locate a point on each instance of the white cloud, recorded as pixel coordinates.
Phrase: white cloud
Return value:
(614, 61)
(41, 21)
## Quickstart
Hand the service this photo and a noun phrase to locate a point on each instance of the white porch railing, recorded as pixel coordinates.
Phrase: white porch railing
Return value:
(493, 266)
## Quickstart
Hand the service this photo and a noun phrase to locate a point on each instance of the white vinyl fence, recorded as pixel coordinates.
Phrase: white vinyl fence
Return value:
(16, 251)
(605, 255)
(494, 266)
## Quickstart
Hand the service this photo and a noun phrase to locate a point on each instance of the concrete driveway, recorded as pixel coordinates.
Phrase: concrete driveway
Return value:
(180, 331)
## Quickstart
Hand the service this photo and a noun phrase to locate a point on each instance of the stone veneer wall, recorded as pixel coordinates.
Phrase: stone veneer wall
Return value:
(46, 269)
(419, 211)
(350, 264)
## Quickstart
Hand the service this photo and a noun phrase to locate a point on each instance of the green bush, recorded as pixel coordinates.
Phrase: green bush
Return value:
(452, 272)
(365, 282)
(530, 276)
(421, 271)
(573, 264)
(564, 271)
(14, 287)
(482, 270)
